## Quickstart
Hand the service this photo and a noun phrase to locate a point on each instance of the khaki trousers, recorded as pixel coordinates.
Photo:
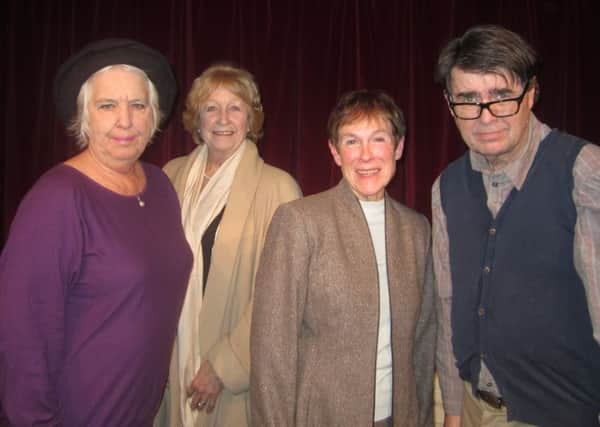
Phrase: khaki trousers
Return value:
(477, 413)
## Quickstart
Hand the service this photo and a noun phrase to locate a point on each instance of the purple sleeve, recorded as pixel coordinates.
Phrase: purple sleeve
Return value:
(39, 261)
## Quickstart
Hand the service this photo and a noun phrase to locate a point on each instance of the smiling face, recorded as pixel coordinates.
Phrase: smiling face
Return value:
(498, 139)
(224, 123)
(366, 152)
(120, 118)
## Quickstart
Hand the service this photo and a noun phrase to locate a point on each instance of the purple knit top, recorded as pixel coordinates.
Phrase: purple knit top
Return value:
(91, 285)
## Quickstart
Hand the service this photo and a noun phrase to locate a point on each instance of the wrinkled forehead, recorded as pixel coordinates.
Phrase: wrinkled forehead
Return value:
(462, 80)
(369, 122)
(234, 87)
(118, 79)
(365, 116)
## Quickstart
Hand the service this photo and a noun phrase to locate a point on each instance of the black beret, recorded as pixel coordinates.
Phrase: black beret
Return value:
(78, 68)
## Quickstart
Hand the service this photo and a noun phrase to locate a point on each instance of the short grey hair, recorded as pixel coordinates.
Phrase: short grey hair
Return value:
(80, 127)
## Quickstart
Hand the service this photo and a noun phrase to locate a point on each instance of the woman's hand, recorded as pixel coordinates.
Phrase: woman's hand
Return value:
(205, 388)
(452, 421)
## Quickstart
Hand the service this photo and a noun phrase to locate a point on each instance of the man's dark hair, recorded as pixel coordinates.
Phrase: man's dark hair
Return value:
(489, 49)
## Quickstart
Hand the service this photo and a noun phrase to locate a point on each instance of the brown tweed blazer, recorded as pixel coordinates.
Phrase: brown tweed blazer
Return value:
(316, 313)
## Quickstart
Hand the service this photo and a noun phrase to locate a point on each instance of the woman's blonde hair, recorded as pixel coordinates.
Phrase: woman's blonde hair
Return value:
(236, 80)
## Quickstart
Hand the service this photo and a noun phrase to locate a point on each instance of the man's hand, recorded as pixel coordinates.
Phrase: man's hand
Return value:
(205, 388)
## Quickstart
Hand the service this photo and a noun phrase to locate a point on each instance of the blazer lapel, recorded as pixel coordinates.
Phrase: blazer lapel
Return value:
(401, 261)
(357, 245)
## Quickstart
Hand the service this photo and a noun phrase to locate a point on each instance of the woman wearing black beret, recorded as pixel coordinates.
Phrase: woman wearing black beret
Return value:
(94, 272)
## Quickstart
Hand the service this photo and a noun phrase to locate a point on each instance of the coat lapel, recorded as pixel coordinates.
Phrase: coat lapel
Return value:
(401, 261)
(359, 252)
(227, 242)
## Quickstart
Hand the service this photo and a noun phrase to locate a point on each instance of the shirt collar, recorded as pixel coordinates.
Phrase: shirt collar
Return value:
(516, 171)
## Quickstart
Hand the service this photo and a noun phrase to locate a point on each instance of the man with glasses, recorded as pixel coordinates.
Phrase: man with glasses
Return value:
(516, 244)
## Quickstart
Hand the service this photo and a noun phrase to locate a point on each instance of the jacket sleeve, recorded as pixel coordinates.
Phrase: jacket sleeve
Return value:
(230, 356)
(281, 287)
(39, 261)
(425, 337)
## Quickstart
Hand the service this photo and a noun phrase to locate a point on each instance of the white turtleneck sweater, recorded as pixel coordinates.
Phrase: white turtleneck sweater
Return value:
(375, 215)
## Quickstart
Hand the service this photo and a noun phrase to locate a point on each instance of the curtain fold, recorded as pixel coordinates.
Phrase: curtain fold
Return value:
(304, 54)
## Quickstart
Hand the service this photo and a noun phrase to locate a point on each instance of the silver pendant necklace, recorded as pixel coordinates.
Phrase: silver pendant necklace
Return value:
(140, 201)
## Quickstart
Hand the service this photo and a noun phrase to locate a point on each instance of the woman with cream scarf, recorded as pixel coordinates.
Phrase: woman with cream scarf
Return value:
(228, 195)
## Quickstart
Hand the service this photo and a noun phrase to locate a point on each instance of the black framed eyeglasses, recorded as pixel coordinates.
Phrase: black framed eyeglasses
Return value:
(500, 108)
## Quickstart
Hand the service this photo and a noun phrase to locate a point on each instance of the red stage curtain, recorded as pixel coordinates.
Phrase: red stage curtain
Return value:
(304, 54)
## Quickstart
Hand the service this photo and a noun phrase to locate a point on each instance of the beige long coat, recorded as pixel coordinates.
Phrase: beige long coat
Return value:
(257, 190)
(315, 325)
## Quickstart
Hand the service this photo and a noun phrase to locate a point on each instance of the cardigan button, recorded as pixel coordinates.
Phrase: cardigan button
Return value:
(492, 231)
(481, 311)
(486, 269)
